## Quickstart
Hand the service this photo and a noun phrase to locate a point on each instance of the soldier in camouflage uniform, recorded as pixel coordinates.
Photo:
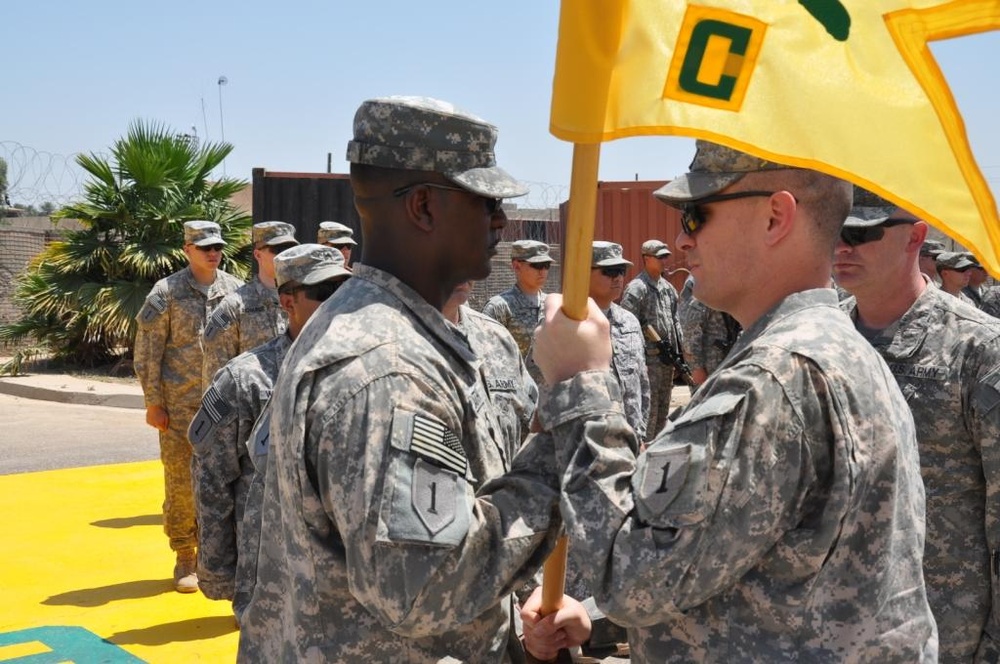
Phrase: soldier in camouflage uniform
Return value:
(945, 355)
(339, 236)
(928, 260)
(653, 301)
(168, 363)
(374, 545)
(977, 277)
(519, 308)
(780, 516)
(708, 334)
(251, 315)
(628, 357)
(305, 276)
(953, 270)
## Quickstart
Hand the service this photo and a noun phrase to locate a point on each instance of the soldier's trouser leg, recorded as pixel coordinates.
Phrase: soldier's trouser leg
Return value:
(661, 385)
(178, 502)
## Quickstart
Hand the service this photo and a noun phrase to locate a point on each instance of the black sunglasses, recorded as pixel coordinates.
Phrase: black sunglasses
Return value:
(538, 266)
(853, 235)
(692, 216)
(612, 272)
(276, 249)
(492, 204)
(208, 248)
(320, 292)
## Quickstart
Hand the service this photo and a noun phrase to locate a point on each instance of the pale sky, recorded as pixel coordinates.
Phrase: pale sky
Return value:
(77, 73)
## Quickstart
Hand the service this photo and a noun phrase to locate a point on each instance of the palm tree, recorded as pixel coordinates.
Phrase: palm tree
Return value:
(80, 296)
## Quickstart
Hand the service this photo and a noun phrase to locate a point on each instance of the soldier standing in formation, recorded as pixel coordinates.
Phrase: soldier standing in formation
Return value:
(519, 308)
(250, 316)
(305, 276)
(780, 516)
(928, 260)
(653, 301)
(709, 334)
(977, 277)
(339, 236)
(168, 363)
(945, 356)
(374, 544)
(953, 270)
(628, 349)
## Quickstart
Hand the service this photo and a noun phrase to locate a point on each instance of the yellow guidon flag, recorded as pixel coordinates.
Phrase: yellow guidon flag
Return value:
(847, 87)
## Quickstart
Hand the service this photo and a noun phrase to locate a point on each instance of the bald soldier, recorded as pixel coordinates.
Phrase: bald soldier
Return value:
(250, 316)
(305, 276)
(168, 362)
(374, 544)
(780, 516)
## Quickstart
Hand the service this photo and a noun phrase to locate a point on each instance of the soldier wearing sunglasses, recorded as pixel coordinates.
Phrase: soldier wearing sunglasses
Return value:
(168, 362)
(945, 355)
(779, 516)
(251, 315)
(953, 269)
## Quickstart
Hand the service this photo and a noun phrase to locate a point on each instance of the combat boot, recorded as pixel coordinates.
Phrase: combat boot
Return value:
(185, 571)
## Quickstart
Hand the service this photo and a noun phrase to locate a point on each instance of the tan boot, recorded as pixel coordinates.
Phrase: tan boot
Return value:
(185, 576)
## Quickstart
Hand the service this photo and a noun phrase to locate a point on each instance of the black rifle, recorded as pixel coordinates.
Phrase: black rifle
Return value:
(671, 356)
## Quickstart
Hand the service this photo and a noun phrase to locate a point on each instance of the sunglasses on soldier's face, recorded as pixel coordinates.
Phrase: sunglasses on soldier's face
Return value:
(693, 217)
(613, 272)
(853, 236)
(208, 248)
(537, 266)
(492, 204)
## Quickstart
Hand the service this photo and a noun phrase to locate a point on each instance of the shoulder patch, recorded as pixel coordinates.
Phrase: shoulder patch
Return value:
(219, 321)
(662, 476)
(156, 304)
(987, 392)
(435, 442)
(260, 437)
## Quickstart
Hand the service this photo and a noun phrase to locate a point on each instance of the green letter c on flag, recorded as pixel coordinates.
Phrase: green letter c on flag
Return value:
(739, 39)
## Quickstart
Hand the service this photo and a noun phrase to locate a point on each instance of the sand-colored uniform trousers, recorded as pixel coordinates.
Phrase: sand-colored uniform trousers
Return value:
(179, 521)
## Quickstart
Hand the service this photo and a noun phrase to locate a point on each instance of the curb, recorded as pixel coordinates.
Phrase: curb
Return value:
(13, 388)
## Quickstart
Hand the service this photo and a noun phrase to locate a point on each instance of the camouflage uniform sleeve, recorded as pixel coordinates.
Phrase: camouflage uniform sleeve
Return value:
(632, 301)
(692, 323)
(497, 309)
(423, 553)
(151, 342)
(687, 518)
(216, 433)
(220, 341)
(674, 316)
(983, 414)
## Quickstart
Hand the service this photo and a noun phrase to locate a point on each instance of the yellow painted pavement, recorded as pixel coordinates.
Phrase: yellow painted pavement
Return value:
(85, 566)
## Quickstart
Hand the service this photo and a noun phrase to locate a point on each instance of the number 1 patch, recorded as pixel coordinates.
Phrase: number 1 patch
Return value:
(434, 493)
(662, 477)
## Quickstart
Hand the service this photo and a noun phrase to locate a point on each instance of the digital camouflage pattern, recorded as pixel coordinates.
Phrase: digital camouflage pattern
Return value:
(424, 134)
(335, 233)
(168, 363)
(628, 363)
(946, 357)
(990, 300)
(654, 303)
(779, 518)
(713, 168)
(244, 320)
(374, 546)
(222, 468)
(508, 383)
(519, 312)
(708, 334)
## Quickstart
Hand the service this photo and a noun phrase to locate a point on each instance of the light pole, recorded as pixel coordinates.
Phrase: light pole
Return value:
(222, 123)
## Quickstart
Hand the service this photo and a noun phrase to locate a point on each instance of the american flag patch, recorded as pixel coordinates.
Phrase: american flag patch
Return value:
(219, 321)
(436, 443)
(215, 405)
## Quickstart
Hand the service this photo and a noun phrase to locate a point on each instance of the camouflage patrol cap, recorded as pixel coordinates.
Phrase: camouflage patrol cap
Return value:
(273, 233)
(606, 254)
(953, 260)
(714, 168)
(202, 233)
(869, 209)
(309, 264)
(655, 248)
(972, 259)
(334, 233)
(424, 134)
(530, 251)
(931, 248)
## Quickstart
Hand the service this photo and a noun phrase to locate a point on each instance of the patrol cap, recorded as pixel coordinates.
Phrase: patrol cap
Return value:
(655, 248)
(606, 254)
(869, 209)
(202, 233)
(953, 260)
(931, 248)
(530, 251)
(309, 264)
(714, 168)
(424, 134)
(273, 233)
(972, 259)
(337, 234)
